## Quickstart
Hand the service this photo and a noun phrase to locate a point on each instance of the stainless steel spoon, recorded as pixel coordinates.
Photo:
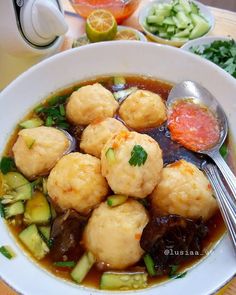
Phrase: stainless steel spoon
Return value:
(226, 199)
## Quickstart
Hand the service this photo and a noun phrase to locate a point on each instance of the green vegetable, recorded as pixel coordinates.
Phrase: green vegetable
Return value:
(45, 230)
(83, 267)
(16, 188)
(32, 123)
(123, 280)
(173, 270)
(138, 156)
(222, 53)
(14, 209)
(149, 265)
(7, 164)
(2, 212)
(31, 238)
(37, 209)
(119, 81)
(65, 263)
(224, 150)
(59, 99)
(29, 141)
(54, 114)
(180, 20)
(116, 200)
(110, 155)
(7, 252)
(181, 275)
(122, 94)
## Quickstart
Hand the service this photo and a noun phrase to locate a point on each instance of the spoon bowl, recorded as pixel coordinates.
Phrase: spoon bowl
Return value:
(225, 194)
(200, 95)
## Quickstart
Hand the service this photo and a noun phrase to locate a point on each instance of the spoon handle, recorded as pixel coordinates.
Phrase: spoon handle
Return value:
(226, 203)
(225, 170)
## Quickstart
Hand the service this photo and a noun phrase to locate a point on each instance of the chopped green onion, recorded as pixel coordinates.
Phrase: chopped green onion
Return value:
(181, 275)
(110, 155)
(150, 265)
(224, 151)
(2, 212)
(7, 164)
(173, 270)
(7, 252)
(38, 109)
(116, 200)
(138, 156)
(49, 121)
(60, 99)
(65, 263)
(62, 110)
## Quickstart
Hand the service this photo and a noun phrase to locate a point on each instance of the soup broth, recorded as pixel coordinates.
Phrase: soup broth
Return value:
(171, 153)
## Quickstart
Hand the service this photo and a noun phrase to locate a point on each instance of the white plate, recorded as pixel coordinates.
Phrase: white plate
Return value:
(202, 41)
(145, 12)
(108, 58)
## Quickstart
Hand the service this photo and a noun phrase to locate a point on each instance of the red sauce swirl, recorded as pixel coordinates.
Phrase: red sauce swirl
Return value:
(193, 125)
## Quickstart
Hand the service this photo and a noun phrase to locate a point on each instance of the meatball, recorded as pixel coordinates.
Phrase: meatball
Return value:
(184, 190)
(89, 103)
(76, 183)
(97, 134)
(136, 177)
(113, 234)
(37, 150)
(143, 109)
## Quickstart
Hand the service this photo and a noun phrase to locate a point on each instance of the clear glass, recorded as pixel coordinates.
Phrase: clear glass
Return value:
(121, 9)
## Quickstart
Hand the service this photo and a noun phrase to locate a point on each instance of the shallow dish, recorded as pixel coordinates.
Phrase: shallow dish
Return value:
(202, 41)
(145, 11)
(124, 58)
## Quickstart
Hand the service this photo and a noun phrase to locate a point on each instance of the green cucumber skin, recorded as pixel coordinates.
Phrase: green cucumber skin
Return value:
(123, 281)
(31, 238)
(184, 18)
(14, 209)
(83, 267)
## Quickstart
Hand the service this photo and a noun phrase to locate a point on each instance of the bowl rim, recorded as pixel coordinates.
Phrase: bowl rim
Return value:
(143, 13)
(119, 44)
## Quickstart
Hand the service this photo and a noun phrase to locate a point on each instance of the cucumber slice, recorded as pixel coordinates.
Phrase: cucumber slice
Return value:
(31, 238)
(123, 280)
(45, 231)
(14, 209)
(116, 200)
(184, 33)
(110, 155)
(155, 19)
(37, 209)
(119, 81)
(194, 8)
(32, 123)
(169, 21)
(122, 94)
(183, 19)
(16, 188)
(83, 267)
(186, 5)
(201, 26)
(171, 29)
(177, 8)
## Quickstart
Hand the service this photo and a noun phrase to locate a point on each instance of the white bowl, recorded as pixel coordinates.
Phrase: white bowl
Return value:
(109, 58)
(144, 12)
(202, 41)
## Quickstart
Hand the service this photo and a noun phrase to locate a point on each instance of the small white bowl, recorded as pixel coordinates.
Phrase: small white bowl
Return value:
(145, 11)
(202, 41)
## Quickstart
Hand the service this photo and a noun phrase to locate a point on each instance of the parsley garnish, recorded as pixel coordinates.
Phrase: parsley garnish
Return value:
(173, 274)
(222, 53)
(138, 156)
(7, 164)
